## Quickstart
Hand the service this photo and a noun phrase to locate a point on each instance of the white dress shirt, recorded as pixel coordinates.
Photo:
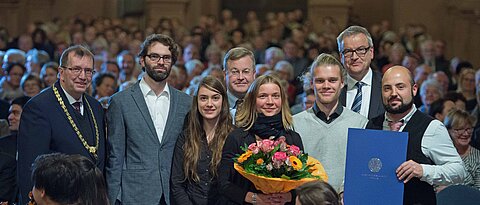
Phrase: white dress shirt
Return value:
(366, 92)
(437, 146)
(72, 100)
(158, 106)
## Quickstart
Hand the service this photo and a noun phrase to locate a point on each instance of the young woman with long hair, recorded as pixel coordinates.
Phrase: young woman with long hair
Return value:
(264, 114)
(198, 150)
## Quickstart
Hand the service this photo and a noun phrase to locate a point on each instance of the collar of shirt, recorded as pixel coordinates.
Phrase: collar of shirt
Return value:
(231, 99)
(405, 119)
(367, 79)
(338, 111)
(146, 90)
(72, 100)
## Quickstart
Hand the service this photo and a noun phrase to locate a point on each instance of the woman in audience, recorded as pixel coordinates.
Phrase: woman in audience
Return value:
(67, 179)
(49, 73)
(31, 85)
(198, 150)
(466, 86)
(285, 72)
(104, 85)
(10, 83)
(460, 127)
(264, 114)
(430, 91)
(317, 193)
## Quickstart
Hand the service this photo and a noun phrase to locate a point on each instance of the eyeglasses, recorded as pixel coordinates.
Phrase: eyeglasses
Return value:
(77, 70)
(237, 73)
(361, 52)
(155, 57)
(468, 130)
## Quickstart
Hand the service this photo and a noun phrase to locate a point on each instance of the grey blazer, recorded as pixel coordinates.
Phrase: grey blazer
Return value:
(138, 166)
(376, 106)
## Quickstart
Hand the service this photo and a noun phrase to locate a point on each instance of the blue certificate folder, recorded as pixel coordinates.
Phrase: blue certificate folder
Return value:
(372, 158)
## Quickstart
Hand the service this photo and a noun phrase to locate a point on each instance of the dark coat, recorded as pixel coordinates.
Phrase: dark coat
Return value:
(233, 187)
(44, 128)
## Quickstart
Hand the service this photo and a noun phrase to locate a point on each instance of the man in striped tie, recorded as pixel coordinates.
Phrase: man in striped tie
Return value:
(362, 93)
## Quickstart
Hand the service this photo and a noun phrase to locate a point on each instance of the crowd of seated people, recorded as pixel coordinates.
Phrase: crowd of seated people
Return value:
(284, 44)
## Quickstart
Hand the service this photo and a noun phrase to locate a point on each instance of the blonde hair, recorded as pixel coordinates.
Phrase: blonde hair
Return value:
(462, 76)
(456, 118)
(247, 112)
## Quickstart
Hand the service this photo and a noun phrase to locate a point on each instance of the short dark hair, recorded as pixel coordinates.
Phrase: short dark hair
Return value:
(317, 192)
(30, 77)
(69, 179)
(98, 79)
(20, 101)
(163, 39)
(454, 97)
(79, 51)
(11, 65)
(436, 107)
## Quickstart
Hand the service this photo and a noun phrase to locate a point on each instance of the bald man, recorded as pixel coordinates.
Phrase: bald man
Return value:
(431, 156)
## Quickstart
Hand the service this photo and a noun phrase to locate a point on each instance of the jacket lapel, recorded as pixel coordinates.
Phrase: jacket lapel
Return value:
(67, 104)
(139, 100)
(375, 104)
(171, 115)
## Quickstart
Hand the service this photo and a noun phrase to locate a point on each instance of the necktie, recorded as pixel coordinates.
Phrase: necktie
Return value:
(357, 101)
(395, 126)
(237, 103)
(76, 106)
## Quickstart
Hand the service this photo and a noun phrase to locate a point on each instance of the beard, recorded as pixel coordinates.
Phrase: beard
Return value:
(157, 77)
(404, 107)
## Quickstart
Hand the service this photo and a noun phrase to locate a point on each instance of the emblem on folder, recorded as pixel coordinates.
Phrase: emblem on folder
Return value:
(375, 164)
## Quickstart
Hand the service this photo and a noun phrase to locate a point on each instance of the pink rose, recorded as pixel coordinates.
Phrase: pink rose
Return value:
(294, 150)
(279, 156)
(267, 145)
(254, 148)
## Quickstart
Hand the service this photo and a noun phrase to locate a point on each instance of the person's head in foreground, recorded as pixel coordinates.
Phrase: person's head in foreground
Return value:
(67, 179)
(317, 193)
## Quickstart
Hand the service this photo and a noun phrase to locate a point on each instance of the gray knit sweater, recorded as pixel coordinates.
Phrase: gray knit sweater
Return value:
(328, 142)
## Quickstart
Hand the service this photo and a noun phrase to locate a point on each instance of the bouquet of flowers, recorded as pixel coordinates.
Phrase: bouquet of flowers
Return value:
(273, 166)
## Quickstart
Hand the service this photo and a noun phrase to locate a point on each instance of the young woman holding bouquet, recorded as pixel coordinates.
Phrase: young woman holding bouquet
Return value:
(264, 114)
(198, 150)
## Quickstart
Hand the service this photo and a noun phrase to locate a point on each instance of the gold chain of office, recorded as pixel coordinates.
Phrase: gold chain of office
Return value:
(92, 149)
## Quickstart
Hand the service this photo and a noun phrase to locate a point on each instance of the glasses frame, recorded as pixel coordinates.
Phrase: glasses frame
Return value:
(80, 70)
(349, 53)
(468, 130)
(160, 57)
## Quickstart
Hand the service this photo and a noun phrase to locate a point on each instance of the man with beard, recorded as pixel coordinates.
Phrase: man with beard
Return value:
(324, 126)
(143, 124)
(431, 156)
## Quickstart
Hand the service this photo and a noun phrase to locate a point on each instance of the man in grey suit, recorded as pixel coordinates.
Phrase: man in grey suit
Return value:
(143, 124)
(362, 92)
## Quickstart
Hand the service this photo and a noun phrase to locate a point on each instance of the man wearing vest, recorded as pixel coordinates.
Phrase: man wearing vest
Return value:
(431, 156)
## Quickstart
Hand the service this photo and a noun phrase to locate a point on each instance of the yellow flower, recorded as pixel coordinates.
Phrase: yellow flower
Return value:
(260, 161)
(296, 163)
(244, 156)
